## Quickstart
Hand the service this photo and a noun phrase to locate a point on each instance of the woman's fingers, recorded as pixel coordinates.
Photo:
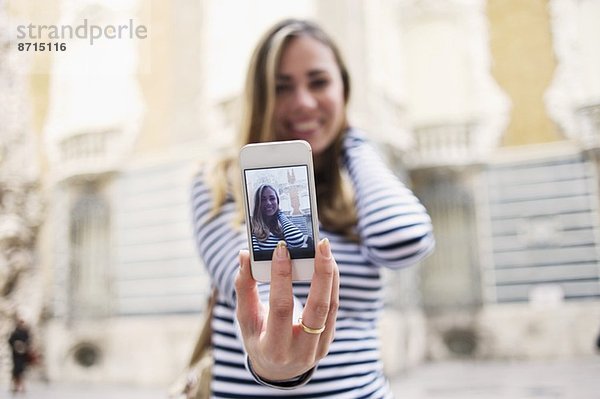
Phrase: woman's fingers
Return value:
(318, 303)
(248, 300)
(281, 298)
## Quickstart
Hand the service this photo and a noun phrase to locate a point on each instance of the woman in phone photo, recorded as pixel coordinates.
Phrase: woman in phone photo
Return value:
(298, 88)
(269, 224)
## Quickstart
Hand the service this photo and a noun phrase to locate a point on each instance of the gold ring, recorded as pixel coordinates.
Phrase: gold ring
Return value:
(309, 330)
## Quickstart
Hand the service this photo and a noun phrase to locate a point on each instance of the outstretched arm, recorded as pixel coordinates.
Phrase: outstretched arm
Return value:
(218, 241)
(292, 234)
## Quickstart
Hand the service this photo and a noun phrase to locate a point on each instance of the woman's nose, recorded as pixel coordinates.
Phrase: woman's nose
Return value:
(304, 98)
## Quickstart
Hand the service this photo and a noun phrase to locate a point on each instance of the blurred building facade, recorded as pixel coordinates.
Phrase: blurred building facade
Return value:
(490, 108)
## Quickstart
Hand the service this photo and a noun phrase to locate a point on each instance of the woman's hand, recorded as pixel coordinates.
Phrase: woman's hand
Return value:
(280, 348)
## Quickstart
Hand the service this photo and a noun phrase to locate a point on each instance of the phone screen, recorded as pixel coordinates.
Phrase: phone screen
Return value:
(280, 209)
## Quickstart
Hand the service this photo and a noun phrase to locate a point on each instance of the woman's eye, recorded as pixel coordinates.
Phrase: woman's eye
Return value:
(282, 88)
(319, 83)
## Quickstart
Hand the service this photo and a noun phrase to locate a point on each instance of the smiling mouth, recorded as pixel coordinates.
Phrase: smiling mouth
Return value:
(305, 127)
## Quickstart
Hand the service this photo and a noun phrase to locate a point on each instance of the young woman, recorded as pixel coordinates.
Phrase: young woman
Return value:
(297, 88)
(269, 224)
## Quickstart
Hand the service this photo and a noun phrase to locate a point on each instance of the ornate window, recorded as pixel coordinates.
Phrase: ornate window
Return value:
(89, 271)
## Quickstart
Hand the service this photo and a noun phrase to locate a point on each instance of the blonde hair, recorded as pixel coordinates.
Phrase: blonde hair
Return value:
(334, 196)
(261, 227)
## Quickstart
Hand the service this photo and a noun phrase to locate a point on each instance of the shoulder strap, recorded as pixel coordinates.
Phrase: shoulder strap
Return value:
(205, 336)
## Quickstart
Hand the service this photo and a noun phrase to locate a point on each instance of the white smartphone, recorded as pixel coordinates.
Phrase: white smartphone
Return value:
(278, 186)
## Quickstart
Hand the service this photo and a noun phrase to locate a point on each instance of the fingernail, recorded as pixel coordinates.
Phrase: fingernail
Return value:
(325, 248)
(281, 251)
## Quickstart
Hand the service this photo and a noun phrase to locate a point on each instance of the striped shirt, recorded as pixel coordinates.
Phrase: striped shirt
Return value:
(291, 234)
(394, 231)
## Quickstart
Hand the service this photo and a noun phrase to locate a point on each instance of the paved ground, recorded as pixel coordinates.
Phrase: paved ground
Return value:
(567, 379)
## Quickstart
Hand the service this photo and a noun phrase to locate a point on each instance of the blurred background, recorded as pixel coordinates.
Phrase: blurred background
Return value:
(490, 110)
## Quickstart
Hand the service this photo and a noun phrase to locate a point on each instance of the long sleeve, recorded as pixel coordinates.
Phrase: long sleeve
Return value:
(292, 234)
(394, 227)
(218, 241)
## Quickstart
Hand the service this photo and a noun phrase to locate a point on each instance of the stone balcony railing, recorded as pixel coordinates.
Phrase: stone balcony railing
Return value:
(442, 145)
(89, 153)
(589, 122)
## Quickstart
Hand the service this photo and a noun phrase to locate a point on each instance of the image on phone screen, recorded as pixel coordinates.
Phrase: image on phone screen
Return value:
(279, 208)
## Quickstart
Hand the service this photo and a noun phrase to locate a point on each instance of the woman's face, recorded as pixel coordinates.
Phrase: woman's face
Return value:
(268, 202)
(309, 94)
